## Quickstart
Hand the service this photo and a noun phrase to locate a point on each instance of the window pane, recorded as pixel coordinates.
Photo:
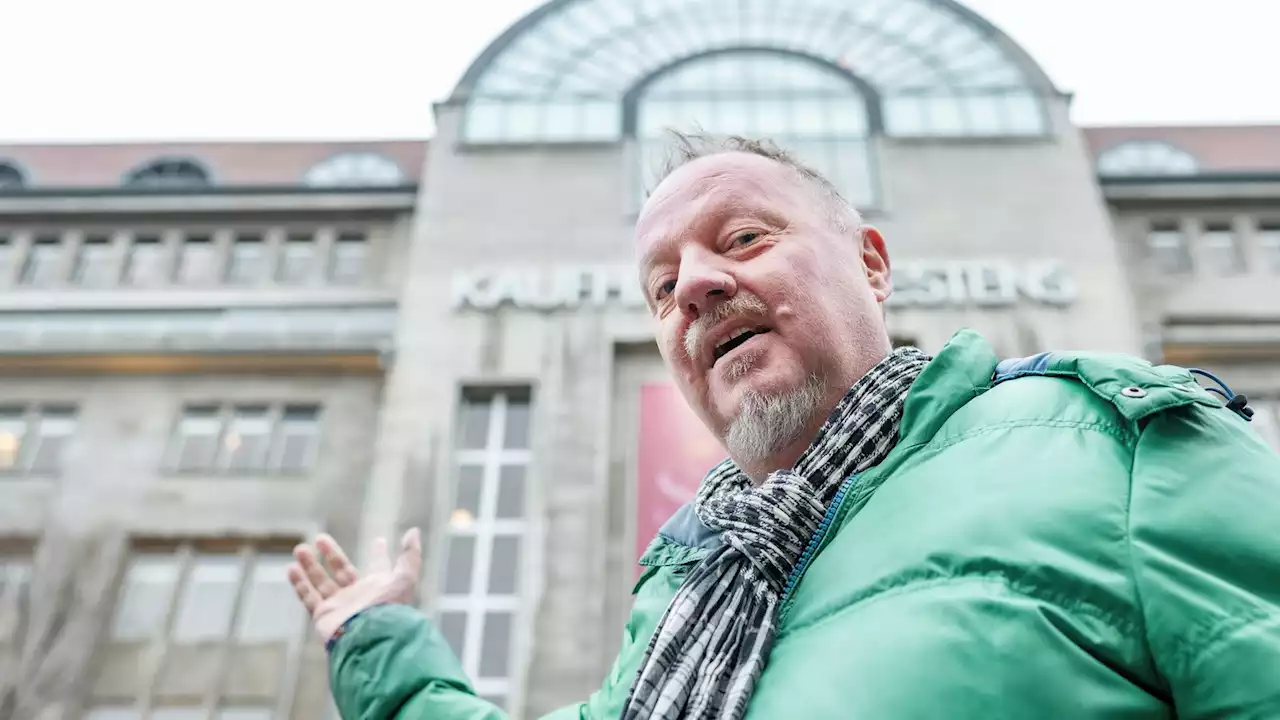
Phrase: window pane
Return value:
(299, 438)
(467, 499)
(145, 598)
(473, 426)
(41, 268)
(495, 648)
(1167, 250)
(459, 565)
(198, 262)
(245, 445)
(7, 258)
(147, 264)
(208, 599)
(1222, 251)
(56, 426)
(510, 504)
(248, 258)
(453, 625)
(601, 120)
(516, 435)
(13, 428)
(93, 263)
(348, 259)
(500, 701)
(271, 610)
(298, 260)
(503, 565)
(484, 121)
(198, 438)
(1269, 247)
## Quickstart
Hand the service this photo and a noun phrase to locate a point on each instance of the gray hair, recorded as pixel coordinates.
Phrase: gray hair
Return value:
(687, 147)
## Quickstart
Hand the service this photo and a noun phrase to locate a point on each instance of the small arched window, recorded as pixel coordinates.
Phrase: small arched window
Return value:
(355, 169)
(1146, 157)
(11, 176)
(166, 173)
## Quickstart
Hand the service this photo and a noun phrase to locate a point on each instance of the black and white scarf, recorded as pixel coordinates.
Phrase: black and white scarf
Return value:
(714, 639)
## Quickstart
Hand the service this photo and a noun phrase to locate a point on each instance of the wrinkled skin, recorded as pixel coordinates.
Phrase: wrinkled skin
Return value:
(333, 590)
(741, 225)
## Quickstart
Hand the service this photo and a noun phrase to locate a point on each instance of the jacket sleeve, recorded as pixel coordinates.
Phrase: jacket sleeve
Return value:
(391, 663)
(1205, 546)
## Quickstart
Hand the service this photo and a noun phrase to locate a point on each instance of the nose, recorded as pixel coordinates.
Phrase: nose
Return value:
(702, 285)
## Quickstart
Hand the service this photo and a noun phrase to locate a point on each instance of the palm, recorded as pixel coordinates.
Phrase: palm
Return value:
(333, 590)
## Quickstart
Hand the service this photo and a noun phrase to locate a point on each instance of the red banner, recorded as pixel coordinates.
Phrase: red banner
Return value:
(676, 451)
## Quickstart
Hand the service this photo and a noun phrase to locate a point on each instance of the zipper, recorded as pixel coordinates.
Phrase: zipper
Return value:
(812, 548)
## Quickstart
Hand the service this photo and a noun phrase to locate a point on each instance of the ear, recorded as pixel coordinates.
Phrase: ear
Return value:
(875, 262)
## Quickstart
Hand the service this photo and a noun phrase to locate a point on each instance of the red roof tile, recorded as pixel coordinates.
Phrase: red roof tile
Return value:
(230, 163)
(1243, 148)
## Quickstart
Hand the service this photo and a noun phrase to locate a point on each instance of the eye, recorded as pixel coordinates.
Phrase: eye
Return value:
(745, 239)
(665, 289)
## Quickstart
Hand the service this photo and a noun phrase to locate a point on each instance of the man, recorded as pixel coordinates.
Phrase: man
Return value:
(894, 536)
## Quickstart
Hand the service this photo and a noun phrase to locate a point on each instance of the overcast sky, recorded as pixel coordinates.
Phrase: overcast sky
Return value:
(84, 70)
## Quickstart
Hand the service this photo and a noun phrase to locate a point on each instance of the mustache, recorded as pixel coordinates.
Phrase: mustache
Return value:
(744, 304)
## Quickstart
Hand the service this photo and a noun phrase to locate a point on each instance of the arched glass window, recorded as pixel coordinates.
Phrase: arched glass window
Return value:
(11, 177)
(937, 69)
(807, 108)
(1146, 157)
(354, 170)
(168, 173)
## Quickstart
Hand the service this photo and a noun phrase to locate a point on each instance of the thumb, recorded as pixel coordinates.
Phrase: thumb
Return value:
(410, 560)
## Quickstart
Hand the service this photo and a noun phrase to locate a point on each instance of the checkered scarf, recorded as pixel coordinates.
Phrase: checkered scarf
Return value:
(714, 639)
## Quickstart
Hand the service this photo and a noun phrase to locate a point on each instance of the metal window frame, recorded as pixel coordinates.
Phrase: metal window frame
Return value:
(32, 416)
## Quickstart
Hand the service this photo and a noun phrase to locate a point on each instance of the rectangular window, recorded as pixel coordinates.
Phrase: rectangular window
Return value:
(197, 438)
(348, 263)
(244, 447)
(1222, 250)
(1167, 249)
(485, 537)
(43, 262)
(217, 594)
(297, 261)
(94, 263)
(148, 262)
(198, 261)
(191, 593)
(299, 436)
(1269, 248)
(248, 259)
(246, 438)
(34, 440)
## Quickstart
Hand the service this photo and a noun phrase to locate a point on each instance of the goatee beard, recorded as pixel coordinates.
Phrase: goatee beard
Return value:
(766, 424)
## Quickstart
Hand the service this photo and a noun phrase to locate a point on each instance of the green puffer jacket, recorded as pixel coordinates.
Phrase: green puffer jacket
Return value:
(1062, 536)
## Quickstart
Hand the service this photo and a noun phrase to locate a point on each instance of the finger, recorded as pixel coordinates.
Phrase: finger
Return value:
(381, 562)
(306, 592)
(316, 574)
(343, 572)
(410, 560)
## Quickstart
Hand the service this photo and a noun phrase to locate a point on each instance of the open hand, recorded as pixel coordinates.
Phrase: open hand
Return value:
(333, 590)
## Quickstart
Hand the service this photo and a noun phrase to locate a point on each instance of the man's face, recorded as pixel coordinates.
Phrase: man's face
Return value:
(767, 312)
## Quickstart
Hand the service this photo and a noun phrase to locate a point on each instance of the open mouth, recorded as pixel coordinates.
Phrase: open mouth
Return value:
(738, 337)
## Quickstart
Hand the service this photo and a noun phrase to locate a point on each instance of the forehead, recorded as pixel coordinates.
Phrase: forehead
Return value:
(711, 189)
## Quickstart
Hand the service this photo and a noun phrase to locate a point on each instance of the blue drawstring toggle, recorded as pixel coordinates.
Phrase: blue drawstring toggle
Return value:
(1236, 402)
